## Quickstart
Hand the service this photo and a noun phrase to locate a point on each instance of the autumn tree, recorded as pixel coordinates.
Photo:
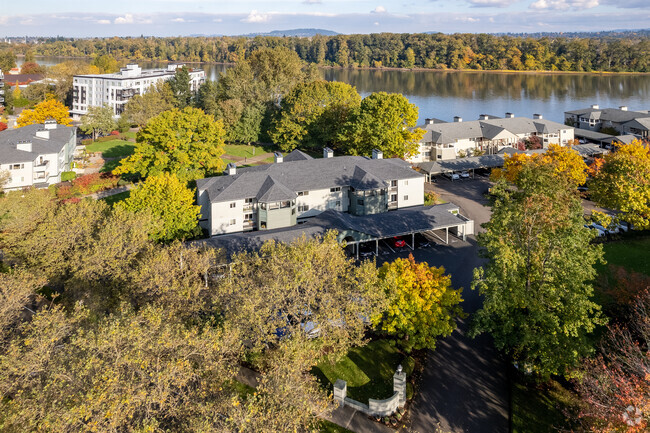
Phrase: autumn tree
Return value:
(537, 283)
(621, 181)
(106, 64)
(62, 75)
(188, 143)
(384, 121)
(615, 386)
(31, 68)
(98, 120)
(50, 108)
(422, 305)
(179, 85)
(312, 115)
(170, 202)
(5, 175)
(142, 108)
(7, 60)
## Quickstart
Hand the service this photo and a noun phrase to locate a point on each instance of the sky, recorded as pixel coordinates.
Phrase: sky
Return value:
(87, 18)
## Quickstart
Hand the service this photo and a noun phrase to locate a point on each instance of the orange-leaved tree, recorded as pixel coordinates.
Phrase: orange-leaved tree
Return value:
(423, 306)
(621, 181)
(50, 108)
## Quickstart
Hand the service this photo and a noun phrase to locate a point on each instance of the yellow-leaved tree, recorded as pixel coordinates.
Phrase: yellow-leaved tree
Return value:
(50, 108)
(422, 304)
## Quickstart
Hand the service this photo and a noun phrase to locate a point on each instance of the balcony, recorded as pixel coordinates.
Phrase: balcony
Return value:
(249, 225)
(42, 166)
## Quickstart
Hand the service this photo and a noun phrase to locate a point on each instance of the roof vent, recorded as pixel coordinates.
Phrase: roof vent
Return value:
(510, 116)
(537, 116)
(623, 108)
(328, 153)
(24, 145)
(231, 169)
(458, 119)
(49, 124)
(278, 157)
(483, 117)
(377, 154)
(428, 121)
(43, 133)
(595, 106)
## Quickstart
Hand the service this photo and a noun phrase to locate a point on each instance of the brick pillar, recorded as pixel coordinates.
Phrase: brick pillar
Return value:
(341, 391)
(399, 385)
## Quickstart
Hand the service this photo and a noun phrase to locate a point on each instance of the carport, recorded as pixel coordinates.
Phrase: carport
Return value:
(470, 164)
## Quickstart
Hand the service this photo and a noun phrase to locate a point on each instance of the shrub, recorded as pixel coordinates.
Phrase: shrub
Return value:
(409, 391)
(87, 141)
(114, 133)
(91, 183)
(431, 198)
(68, 175)
(408, 365)
(3, 126)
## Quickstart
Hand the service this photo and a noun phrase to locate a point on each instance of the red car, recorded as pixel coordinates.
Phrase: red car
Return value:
(399, 243)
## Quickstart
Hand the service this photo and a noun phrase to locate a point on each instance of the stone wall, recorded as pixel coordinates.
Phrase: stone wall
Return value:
(374, 407)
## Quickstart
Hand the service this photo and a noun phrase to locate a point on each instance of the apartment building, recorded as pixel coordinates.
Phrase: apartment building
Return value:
(297, 187)
(116, 89)
(36, 155)
(489, 134)
(621, 119)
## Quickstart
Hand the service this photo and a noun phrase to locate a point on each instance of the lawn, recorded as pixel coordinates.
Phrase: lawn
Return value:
(330, 427)
(112, 199)
(539, 408)
(632, 254)
(112, 149)
(367, 370)
(243, 150)
(130, 134)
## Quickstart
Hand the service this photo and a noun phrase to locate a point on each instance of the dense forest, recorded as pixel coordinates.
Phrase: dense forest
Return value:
(439, 51)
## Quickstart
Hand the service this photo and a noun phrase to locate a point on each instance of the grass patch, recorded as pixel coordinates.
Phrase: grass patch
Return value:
(109, 166)
(129, 134)
(112, 199)
(632, 254)
(329, 427)
(112, 149)
(68, 175)
(243, 150)
(538, 408)
(367, 370)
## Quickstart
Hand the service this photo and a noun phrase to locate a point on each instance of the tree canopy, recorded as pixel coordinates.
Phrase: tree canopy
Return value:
(98, 120)
(50, 108)
(188, 143)
(142, 108)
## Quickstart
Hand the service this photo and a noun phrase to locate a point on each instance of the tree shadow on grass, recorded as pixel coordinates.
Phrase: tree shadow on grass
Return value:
(119, 151)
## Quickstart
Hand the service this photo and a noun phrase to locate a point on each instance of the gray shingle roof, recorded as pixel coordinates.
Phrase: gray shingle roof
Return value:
(272, 190)
(297, 155)
(640, 123)
(609, 114)
(306, 175)
(9, 153)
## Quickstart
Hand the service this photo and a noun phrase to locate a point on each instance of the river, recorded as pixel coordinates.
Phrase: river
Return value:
(445, 94)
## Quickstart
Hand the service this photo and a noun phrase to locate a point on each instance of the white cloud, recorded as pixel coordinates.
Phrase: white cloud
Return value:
(379, 10)
(312, 2)
(217, 20)
(126, 19)
(468, 19)
(256, 17)
(376, 23)
(27, 22)
(564, 4)
(491, 3)
(179, 20)
(4, 19)
(103, 21)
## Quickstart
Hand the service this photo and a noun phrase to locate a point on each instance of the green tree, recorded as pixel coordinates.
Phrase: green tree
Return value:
(170, 201)
(188, 143)
(7, 60)
(313, 113)
(142, 108)
(621, 181)
(422, 305)
(384, 121)
(98, 120)
(106, 64)
(537, 282)
(29, 56)
(180, 87)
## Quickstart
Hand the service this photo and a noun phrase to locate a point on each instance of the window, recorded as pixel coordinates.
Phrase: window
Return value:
(275, 205)
(17, 166)
(360, 202)
(406, 182)
(338, 203)
(232, 205)
(285, 204)
(303, 207)
(393, 183)
(263, 224)
(248, 200)
(406, 197)
(303, 193)
(393, 197)
(248, 217)
(335, 189)
(233, 222)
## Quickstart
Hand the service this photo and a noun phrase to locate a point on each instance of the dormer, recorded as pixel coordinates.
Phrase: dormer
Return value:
(24, 145)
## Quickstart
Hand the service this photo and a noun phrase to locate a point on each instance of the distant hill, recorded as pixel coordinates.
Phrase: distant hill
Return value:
(299, 33)
(643, 33)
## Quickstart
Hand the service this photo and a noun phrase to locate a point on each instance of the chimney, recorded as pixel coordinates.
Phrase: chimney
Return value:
(328, 153)
(278, 157)
(458, 119)
(595, 106)
(377, 154)
(537, 116)
(231, 169)
(49, 124)
(510, 116)
(428, 121)
(24, 145)
(623, 108)
(43, 133)
(483, 117)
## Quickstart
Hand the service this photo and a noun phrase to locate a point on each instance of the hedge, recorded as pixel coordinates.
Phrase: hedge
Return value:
(68, 175)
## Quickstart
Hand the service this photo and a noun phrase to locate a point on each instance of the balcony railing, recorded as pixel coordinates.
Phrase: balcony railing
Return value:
(42, 166)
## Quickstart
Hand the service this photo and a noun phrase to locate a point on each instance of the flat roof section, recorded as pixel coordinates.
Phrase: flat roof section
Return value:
(361, 228)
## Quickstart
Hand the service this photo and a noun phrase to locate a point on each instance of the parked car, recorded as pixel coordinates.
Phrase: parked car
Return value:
(599, 232)
(611, 229)
(399, 242)
(464, 174)
(452, 176)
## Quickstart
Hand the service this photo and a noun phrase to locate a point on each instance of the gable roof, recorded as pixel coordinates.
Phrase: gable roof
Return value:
(640, 123)
(609, 114)
(290, 177)
(10, 154)
(297, 155)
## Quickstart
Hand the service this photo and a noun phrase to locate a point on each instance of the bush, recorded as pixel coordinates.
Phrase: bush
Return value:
(87, 141)
(115, 133)
(68, 175)
(409, 391)
(408, 365)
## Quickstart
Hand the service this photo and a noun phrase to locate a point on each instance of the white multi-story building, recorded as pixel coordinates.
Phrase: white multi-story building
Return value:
(490, 134)
(624, 121)
(298, 186)
(116, 89)
(36, 155)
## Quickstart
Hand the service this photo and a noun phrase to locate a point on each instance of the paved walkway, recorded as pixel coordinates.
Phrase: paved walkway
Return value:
(240, 160)
(110, 192)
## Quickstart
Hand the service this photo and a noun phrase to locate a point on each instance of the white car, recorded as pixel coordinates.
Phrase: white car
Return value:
(464, 175)
(611, 229)
(599, 232)
(452, 176)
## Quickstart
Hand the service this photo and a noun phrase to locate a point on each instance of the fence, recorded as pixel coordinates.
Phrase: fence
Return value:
(375, 407)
